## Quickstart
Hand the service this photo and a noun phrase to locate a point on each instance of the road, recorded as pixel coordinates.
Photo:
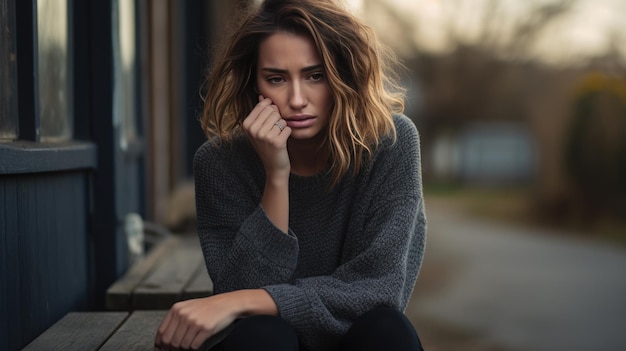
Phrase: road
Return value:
(493, 286)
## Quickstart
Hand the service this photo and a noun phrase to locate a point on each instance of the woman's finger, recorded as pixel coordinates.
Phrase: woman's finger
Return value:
(253, 115)
(179, 334)
(162, 328)
(188, 338)
(264, 121)
(166, 339)
(199, 339)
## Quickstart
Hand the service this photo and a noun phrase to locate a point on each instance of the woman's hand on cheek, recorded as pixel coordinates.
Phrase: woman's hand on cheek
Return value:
(268, 133)
(188, 324)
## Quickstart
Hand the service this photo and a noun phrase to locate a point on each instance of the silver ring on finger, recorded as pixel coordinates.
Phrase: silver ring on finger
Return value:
(279, 125)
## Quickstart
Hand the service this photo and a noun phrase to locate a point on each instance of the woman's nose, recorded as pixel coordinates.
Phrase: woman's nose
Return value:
(297, 98)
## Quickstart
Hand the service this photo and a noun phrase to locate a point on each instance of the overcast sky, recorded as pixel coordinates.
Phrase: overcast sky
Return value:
(584, 32)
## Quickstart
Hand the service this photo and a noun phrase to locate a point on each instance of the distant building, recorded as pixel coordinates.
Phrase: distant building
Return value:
(485, 153)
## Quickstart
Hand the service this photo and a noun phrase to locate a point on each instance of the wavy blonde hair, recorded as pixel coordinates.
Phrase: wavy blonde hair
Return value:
(359, 72)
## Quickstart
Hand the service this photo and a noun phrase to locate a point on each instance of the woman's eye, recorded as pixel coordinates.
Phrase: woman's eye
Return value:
(274, 80)
(316, 76)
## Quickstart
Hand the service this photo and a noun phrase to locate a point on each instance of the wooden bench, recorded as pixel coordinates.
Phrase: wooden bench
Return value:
(173, 270)
(107, 331)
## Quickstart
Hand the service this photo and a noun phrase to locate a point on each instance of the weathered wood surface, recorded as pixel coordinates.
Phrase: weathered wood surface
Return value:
(137, 333)
(173, 271)
(200, 286)
(165, 285)
(119, 295)
(79, 331)
(107, 331)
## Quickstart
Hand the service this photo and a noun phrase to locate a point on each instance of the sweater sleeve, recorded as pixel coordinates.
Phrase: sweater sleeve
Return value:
(241, 246)
(381, 259)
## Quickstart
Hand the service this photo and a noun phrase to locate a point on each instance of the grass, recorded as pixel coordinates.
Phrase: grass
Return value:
(517, 206)
(511, 204)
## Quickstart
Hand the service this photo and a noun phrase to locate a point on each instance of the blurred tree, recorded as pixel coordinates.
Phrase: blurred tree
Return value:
(489, 78)
(596, 149)
(489, 72)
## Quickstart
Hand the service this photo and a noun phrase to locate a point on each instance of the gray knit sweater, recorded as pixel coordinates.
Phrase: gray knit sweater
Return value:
(348, 250)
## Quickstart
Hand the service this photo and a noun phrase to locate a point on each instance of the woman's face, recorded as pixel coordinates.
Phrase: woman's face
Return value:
(291, 74)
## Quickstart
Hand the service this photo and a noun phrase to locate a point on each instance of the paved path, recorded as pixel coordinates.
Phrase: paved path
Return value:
(522, 289)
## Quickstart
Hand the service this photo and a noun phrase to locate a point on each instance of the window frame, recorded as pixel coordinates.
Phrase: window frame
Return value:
(27, 154)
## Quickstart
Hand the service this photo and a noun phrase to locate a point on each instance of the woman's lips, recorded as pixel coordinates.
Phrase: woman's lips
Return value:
(303, 121)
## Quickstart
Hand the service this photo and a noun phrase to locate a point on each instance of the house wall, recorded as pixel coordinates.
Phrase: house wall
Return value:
(44, 252)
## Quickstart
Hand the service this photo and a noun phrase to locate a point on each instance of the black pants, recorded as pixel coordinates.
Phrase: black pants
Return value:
(381, 329)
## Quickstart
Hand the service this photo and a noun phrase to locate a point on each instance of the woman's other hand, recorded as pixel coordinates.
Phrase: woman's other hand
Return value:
(188, 324)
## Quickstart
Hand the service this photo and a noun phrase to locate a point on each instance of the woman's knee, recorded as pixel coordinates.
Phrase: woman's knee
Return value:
(382, 329)
(261, 333)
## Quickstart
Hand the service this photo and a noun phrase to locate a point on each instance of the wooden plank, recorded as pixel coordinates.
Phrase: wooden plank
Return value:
(137, 334)
(165, 285)
(80, 331)
(119, 296)
(201, 284)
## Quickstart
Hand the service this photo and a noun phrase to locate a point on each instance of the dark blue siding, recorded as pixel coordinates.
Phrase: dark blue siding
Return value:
(44, 247)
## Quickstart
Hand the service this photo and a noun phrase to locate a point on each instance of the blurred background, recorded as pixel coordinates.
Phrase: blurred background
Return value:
(521, 107)
(524, 101)
(522, 112)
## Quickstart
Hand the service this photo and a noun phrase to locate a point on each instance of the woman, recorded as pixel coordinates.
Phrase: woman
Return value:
(309, 199)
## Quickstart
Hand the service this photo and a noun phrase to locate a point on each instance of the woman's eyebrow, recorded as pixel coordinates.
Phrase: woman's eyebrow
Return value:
(283, 71)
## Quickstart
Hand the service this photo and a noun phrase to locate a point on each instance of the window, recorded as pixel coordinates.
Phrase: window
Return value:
(36, 90)
(8, 62)
(54, 73)
(125, 110)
